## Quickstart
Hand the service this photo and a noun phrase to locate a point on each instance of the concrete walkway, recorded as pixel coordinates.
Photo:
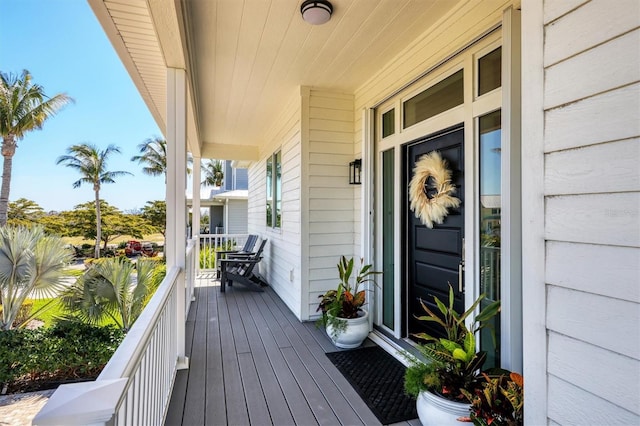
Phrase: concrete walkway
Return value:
(20, 408)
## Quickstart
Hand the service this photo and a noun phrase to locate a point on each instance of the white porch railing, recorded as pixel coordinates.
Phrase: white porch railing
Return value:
(210, 243)
(135, 386)
(191, 272)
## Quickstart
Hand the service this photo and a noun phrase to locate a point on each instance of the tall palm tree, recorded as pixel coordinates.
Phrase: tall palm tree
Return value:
(213, 173)
(91, 163)
(153, 153)
(23, 107)
(31, 264)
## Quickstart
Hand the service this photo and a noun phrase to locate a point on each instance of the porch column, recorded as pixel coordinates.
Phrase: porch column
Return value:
(176, 194)
(195, 218)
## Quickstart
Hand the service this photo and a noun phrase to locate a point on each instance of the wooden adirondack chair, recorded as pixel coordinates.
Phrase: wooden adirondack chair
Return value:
(245, 251)
(241, 270)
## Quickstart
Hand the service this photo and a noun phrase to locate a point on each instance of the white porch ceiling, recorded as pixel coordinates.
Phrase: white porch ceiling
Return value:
(247, 58)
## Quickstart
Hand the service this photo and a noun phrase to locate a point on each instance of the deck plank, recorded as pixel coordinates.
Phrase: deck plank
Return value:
(215, 404)
(278, 408)
(234, 394)
(298, 404)
(195, 397)
(253, 363)
(343, 398)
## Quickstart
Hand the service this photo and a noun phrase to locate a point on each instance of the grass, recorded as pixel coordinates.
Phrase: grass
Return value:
(48, 315)
(55, 310)
(78, 241)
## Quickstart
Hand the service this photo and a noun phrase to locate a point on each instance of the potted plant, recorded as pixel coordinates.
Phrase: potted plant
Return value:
(452, 363)
(499, 402)
(345, 321)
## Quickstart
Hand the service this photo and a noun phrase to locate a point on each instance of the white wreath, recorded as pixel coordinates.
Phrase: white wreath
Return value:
(435, 209)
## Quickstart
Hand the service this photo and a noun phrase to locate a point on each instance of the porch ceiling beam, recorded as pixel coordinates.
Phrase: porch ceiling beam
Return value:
(231, 152)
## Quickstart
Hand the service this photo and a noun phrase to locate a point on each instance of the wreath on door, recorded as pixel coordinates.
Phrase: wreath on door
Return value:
(431, 191)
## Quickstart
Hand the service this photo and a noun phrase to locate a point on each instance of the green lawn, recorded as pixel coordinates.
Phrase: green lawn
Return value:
(54, 310)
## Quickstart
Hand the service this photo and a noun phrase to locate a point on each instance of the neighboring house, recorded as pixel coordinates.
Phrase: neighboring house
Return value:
(227, 204)
(534, 102)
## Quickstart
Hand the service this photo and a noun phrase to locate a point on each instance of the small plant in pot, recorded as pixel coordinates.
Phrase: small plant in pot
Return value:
(453, 363)
(346, 322)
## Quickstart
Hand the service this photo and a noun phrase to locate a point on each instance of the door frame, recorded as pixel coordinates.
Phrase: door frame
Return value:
(465, 114)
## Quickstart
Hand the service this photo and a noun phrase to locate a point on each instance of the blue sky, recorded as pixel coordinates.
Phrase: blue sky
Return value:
(64, 47)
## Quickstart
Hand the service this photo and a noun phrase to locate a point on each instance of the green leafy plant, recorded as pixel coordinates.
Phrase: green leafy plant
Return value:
(45, 357)
(345, 301)
(453, 362)
(31, 264)
(500, 400)
(107, 290)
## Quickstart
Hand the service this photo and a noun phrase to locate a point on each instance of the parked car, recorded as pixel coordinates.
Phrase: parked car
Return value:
(137, 248)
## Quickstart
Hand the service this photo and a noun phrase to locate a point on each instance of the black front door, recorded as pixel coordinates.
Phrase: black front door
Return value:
(433, 256)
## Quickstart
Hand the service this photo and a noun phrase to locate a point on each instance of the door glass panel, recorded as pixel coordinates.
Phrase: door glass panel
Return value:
(438, 98)
(387, 238)
(490, 71)
(388, 123)
(490, 216)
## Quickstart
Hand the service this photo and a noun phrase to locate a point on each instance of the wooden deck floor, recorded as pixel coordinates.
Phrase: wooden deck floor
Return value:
(253, 363)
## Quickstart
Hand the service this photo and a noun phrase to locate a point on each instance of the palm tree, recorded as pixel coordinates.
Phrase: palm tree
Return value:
(31, 264)
(23, 107)
(213, 173)
(153, 153)
(108, 290)
(91, 163)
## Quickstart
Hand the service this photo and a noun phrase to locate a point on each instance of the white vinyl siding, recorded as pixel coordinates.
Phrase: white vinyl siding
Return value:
(331, 228)
(236, 216)
(281, 265)
(592, 210)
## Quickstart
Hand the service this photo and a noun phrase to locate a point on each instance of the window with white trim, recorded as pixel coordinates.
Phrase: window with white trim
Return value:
(274, 190)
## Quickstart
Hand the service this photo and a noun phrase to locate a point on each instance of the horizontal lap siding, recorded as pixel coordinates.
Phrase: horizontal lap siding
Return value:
(237, 217)
(330, 197)
(281, 264)
(592, 210)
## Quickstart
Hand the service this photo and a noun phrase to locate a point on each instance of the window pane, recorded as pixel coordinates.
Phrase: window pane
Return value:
(278, 189)
(387, 239)
(269, 191)
(490, 71)
(438, 98)
(490, 216)
(388, 123)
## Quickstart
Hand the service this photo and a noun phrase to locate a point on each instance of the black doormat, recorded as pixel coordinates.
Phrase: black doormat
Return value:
(379, 379)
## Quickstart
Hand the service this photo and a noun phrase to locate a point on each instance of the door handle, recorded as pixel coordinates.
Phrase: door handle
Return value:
(460, 278)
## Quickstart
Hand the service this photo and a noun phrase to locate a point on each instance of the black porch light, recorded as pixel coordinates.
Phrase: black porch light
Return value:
(355, 168)
(316, 12)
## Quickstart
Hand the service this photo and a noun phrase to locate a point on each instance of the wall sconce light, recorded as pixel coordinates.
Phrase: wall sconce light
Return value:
(316, 12)
(355, 167)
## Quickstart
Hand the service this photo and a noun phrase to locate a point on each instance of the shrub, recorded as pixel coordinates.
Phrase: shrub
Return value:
(207, 258)
(42, 358)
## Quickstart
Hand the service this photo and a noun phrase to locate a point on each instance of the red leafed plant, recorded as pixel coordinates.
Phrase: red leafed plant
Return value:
(499, 402)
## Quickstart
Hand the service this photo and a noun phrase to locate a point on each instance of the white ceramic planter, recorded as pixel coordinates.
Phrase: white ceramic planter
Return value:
(357, 330)
(434, 410)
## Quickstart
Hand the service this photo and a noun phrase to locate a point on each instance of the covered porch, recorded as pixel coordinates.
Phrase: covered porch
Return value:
(251, 361)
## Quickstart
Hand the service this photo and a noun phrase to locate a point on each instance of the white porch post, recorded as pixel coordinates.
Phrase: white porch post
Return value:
(195, 219)
(176, 196)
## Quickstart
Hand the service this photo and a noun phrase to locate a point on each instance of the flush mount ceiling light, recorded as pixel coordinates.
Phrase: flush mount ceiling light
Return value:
(316, 12)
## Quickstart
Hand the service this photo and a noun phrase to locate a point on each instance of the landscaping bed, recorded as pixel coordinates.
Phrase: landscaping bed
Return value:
(44, 358)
